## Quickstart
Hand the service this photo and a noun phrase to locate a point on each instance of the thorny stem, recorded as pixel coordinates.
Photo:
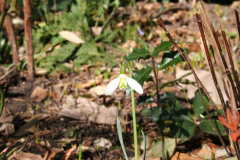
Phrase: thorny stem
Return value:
(133, 112)
(158, 104)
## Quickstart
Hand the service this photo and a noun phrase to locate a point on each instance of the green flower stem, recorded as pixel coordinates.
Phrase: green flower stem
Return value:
(134, 124)
(133, 111)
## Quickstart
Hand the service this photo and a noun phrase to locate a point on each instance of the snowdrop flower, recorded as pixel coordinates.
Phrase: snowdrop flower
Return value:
(122, 81)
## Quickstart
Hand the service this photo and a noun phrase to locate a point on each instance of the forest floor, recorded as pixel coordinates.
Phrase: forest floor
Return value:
(48, 117)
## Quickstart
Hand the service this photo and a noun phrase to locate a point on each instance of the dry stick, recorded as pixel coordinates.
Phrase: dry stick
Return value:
(234, 57)
(216, 61)
(185, 56)
(187, 60)
(219, 69)
(236, 77)
(238, 27)
(199, 21)
(219, 50)
(11, 37)
(158, 104)
(28, 38)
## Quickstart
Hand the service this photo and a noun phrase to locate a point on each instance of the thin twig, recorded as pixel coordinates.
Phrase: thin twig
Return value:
(158, 104)
(6, 74)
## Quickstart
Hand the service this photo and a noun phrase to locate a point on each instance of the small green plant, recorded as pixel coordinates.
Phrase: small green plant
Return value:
(172, 118)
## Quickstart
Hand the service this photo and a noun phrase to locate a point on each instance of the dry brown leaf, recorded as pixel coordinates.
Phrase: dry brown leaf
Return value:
(50, 154)
(90, 83)
(96, 30)
(6, 116)
(41, 71)
(98, 90)
(28, 156)
(206, 78)
(120, 24)
(7, 128)
(149, 142)
(183, 156)
(69, 152)
(102, 142)
(38, 94)
(29, 127)
(147, 158)
(129, 45)
(90, 111)
(205, 153)
(193, 47)
(71, 37)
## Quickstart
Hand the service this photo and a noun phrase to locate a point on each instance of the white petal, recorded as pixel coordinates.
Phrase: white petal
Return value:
(134, 85)
(112, 86)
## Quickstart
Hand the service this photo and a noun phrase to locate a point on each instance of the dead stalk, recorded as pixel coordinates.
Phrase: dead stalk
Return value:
(199, 83)
(217, 45)
(28, 38)
(187, 60)
(11, 37)
(199, 21)
(238, 27)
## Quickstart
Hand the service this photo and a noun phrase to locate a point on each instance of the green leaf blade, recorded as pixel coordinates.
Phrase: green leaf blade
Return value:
(208, 127)
(171, 58)
(164, 46)
(198, 107)
(145, 99)
(184, 130)
(138, 54)
(169, 148)
(143, 75)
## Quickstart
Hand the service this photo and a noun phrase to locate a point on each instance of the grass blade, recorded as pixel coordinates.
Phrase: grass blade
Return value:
(119, 128)
(144, 151)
